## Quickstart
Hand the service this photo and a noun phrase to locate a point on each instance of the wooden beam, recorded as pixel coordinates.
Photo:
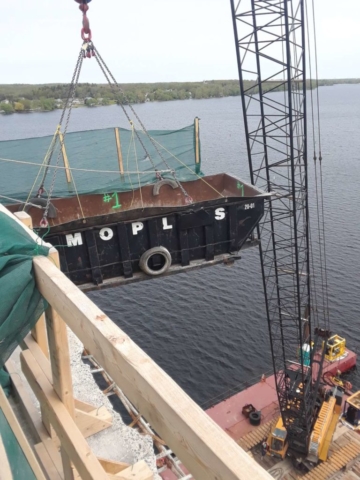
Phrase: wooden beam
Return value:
(22, 395)
(30, 344)
(40, 335)
(20, 436)
(5, 470)
(94, 422)
(36, 424)
(24, 218)
(70, 436)
(118, 149)
(47, 462)
(112, 467)
(39, 330)
(197, 142)
(68, 468)
(139, 471)
(202, 446)
(89, 418)
(59, 352)
(65, 158)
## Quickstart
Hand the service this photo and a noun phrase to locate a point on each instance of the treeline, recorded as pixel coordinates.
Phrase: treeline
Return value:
(22, 98)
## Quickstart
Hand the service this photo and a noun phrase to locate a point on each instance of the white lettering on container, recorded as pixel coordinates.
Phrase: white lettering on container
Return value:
(73, 240)
(136, 227)
(219, 213)
(165, 224)
(106, 234)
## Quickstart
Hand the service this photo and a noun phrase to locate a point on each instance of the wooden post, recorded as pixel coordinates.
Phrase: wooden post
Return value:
(60, 367)
(65, 158)
(5, 470)
(197, 145)
(59, 352)
(118, 149)
(39, 330)
(20, 437)
(73, 444)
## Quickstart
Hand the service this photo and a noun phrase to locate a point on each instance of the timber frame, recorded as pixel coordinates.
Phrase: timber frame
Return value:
(206, 451)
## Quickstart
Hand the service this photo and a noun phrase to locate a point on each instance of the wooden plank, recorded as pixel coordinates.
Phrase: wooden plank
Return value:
(89, 424)
(139, 471)
(38, 354)
(89, 418)
(39, 333)
(24, 218)
(39, 330)
(71, 438)
(22, 395)
(112, 467)
(118, 150)
(68, 468)
(54, 453)
(47, 462)
(202, 446)
(59, 353)
(65, 158)
(5, 470)
(197, 142)
(20, 436)
(33, 417)
(84, 406)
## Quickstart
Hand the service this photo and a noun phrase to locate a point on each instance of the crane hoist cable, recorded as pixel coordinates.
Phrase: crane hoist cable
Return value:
(107, 73)
(88, 50)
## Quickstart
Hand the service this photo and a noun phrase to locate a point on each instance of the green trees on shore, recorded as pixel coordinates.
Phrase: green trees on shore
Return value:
(6, 108)
(25, 98)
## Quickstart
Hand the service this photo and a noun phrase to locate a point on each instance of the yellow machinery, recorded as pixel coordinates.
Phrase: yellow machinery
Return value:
(324, 428)
(322, 431)
(277, 440)
(335, 348)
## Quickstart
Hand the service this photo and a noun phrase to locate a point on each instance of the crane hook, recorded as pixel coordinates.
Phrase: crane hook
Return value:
(86, 31)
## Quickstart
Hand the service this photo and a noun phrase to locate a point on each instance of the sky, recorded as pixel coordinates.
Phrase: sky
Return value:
(152, 40)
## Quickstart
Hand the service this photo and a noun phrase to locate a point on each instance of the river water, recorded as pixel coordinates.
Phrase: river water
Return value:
(208, 328)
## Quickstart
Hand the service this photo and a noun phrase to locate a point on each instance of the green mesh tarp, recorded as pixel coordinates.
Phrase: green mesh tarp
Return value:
(21, 303)
(95, 154)
(20, 467)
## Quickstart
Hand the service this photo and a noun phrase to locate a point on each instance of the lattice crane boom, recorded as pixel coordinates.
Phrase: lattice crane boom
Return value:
(270, 47)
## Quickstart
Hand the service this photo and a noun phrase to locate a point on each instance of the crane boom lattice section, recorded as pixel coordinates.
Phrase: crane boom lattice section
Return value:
(270, 46)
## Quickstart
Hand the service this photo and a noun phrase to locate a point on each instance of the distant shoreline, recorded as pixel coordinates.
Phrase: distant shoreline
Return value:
(27, 98)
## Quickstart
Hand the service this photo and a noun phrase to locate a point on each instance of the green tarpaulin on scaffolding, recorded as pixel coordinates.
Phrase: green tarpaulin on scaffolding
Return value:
(21, 304)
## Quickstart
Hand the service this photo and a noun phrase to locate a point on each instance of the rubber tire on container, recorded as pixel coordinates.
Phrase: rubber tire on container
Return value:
(145, 257)
(52, 213)
(255, 418)
(166, 181)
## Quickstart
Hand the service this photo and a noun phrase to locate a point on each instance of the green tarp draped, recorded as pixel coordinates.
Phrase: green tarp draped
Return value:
(97, 150)
(21, 304)
(19, 465)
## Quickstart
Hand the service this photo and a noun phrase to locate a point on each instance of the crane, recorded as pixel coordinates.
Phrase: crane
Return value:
(270, 47)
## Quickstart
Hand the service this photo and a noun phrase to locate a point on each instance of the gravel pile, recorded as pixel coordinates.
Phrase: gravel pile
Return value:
(119, 442)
